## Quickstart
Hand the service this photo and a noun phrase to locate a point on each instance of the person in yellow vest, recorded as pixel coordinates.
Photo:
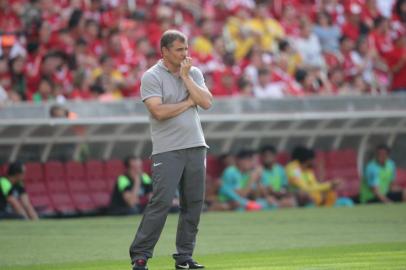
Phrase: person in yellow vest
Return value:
(303, 181)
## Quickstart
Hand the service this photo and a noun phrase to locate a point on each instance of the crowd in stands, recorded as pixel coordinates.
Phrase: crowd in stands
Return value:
(99, 49)
(248, 181)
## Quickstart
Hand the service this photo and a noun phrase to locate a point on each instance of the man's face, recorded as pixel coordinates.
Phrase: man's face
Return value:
(246, 164)
(309, 163)
(268, 158)
(135, 165)
(382, 156)
(176, 53)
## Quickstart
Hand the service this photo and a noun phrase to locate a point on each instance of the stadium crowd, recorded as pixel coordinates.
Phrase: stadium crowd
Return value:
(98, 49)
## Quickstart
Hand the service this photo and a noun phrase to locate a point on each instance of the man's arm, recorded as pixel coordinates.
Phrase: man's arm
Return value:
(163, 112)
(380, 196)
(200, 95)
(32, 214)
(131, 196)
(17, 207)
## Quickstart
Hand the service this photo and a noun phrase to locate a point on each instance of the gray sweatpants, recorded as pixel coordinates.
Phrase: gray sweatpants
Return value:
(185, 169)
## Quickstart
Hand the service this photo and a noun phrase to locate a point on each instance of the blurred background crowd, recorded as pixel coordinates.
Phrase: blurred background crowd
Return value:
(98, 49)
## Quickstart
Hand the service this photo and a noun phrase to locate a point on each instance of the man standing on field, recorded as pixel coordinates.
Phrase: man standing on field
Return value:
(171, 90)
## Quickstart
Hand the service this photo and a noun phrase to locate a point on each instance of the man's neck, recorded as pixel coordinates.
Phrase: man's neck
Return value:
(173, 69)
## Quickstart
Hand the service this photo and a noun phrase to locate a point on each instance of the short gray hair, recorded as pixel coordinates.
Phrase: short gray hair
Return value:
(169, 36)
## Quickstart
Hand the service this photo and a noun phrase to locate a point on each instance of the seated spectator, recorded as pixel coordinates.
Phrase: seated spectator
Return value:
(241, 37)
(274, 182)
(18, 78)
(58, 111)
(396, 61)
(213, 182)
(45, 91)
(202, 44)
(327, 32)
(131, 189)
(239, 183)
(245, 87)
(293, 57)
(303, 181)
(353, 27)
(289, 20)
(14, 201)
(266, 88)
(308, 46)
(378, 183)
(268, 29)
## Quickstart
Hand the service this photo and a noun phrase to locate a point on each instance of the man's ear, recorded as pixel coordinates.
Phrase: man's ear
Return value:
(164, 51)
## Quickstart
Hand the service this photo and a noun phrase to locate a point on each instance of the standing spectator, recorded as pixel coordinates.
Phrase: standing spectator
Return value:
(130, 193)
(14, 201)
(378, 183)
(274, 182)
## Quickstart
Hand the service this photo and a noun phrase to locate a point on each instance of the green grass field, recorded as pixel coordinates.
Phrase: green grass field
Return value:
(365, 237)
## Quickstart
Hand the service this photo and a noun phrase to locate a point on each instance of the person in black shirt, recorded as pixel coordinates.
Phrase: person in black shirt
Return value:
(131, 190)
(14, 201)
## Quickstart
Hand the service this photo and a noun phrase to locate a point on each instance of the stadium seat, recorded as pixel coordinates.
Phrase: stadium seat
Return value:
(36, 187)
(3, 169)
(78, 188)
(98, 187)
(57, 188)
(401, 177)
(113, 168)
(283, 158)
(342, 164)
(146, 166)
(214, 168)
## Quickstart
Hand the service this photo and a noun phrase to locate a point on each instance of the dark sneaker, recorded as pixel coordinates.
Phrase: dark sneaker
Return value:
(189, 265)
(140, 264)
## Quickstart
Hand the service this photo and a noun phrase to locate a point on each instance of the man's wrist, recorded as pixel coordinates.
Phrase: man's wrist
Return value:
(185, 77)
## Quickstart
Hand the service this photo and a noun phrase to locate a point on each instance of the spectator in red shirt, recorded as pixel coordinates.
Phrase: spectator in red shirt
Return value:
(9, 20)
(352, 26)
(396, 60)
(224, 83)
(370, 12)
(92, 37)
(380, 37)
(289, 21)
(346, 57)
